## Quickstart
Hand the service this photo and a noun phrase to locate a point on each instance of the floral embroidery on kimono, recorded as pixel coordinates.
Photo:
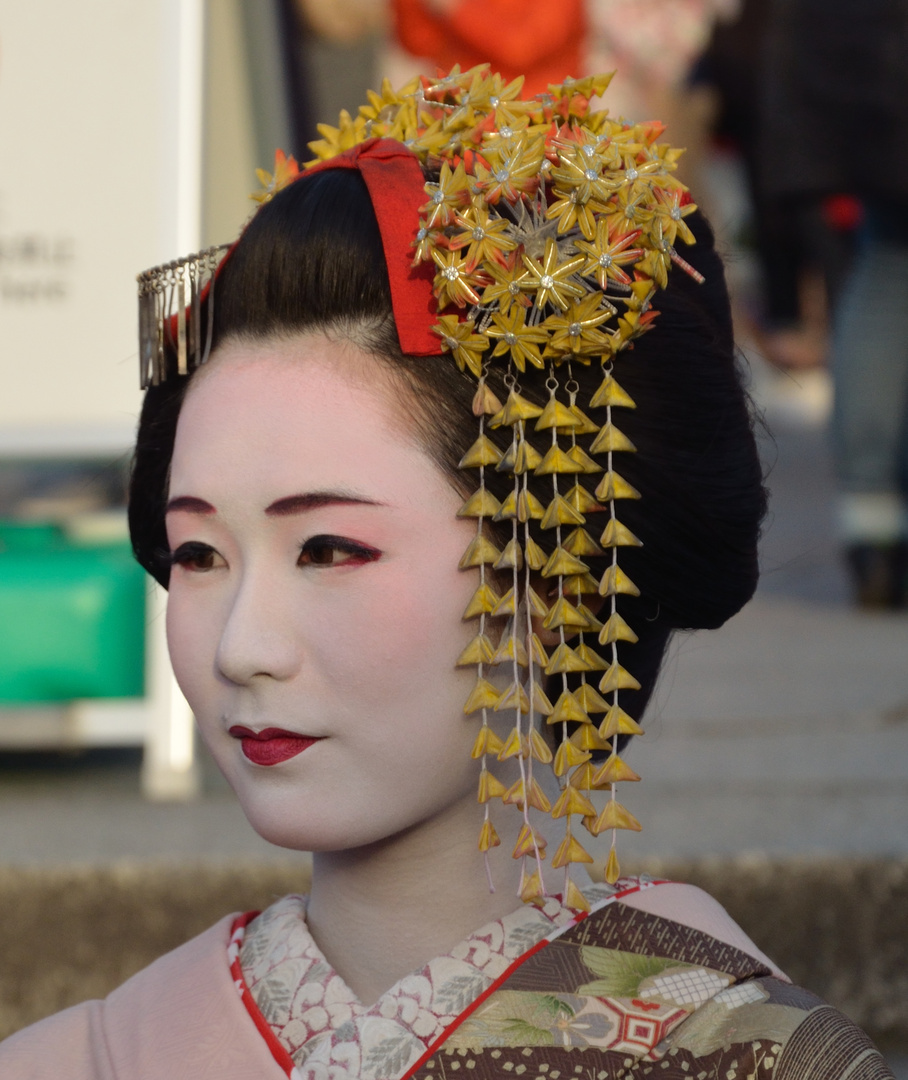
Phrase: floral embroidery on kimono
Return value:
(327, 1032)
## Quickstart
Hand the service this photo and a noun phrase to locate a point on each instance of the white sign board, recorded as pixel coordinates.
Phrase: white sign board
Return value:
(100, 177)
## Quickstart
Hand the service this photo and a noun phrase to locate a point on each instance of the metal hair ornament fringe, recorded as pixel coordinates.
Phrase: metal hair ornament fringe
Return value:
(170, 313)
(547, 233)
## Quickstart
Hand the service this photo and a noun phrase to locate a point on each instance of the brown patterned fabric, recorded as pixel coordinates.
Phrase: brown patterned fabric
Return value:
(634, 931)
(625, 995)
(754, 1061)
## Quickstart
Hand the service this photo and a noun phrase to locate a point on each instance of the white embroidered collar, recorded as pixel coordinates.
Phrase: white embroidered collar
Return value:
(328, 1032)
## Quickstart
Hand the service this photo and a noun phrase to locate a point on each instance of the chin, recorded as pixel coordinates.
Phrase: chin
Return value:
(283, 833)
(297, 828)
(324, 828)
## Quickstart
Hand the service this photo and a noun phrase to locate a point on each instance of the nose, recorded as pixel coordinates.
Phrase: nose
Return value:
(259, 639)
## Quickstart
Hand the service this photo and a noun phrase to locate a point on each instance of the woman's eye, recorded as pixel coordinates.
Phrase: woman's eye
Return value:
(196, 557)
(335, 551)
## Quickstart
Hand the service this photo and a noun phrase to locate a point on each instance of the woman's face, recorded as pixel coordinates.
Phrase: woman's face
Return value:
(315, 592)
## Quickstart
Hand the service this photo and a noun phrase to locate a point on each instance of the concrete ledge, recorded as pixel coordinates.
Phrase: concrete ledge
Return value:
(837, 927)
(68, 934)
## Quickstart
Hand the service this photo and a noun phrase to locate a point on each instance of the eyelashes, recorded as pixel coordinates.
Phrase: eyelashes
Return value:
(335, 551)
(322, 551)
(193, 556)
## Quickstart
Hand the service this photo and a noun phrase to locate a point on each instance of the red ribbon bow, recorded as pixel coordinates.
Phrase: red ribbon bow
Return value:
(396, 187)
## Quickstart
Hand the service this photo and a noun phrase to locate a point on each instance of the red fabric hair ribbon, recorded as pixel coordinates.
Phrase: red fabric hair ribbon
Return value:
(396, 187)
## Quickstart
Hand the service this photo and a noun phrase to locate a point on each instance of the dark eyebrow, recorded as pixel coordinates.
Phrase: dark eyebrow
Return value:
(313, 500)
(190, 504)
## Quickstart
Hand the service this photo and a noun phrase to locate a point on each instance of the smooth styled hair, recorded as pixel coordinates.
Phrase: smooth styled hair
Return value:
(311, 260)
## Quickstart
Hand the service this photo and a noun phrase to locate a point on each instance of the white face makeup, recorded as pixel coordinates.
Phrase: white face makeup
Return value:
(315, 592)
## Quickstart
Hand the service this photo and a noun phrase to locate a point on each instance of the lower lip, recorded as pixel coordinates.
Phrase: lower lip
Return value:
(274, 750)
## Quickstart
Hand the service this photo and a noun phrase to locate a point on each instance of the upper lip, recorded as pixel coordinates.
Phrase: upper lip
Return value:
(240, 731)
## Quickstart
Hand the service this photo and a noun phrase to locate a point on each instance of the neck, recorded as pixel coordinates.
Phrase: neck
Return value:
(382, 911)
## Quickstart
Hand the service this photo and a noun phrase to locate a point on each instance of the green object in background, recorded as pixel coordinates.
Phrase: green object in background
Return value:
(72, 618)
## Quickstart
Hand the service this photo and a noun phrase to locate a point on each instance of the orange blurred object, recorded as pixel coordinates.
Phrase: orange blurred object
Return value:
(535, 38)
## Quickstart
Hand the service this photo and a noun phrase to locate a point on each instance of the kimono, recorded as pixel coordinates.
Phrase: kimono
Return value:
(656, 981)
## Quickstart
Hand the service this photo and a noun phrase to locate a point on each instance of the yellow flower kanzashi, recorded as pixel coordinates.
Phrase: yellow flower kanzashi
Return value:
(392, 106)
(447, 196)
(671, 214)
(517, 339)
(511, 170)
(486, 238)
(572, 210)
(285, 172)
(348, 133)
(630, 210)
(576, 331)
(513, 173)
(454, 280)
(551, 279)
(506, 108)
(607, 254)
(549, 229)
(583, 175)
(458, 338)
(506, 283)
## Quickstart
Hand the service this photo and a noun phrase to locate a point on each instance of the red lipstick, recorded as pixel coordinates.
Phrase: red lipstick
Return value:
(272, 745)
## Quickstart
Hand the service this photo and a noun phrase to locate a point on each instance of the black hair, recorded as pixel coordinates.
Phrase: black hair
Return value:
(312, 260)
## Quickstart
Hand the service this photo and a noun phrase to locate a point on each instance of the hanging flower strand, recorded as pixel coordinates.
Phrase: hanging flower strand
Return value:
(548, 232)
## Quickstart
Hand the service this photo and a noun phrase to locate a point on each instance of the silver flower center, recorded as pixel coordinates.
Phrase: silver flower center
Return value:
(502, 175)
(605, 260)
(510, 338)
(575, 329)
(506, 132)
(438, 196)
(494, 102)
(546, 281)
(632, 173)
(478, 233)
(591, 174)
(513, 288)
(451, 273)
(675, 213)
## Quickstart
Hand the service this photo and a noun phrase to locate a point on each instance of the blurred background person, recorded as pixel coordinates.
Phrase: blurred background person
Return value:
(528, 41)
(814, 60)
(859, 126)
(809, 97)
(800, 225)
(652, 44)
(409, 36)
(806, 187)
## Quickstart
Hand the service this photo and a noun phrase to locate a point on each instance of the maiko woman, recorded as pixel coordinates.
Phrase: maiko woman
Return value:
(433, 465)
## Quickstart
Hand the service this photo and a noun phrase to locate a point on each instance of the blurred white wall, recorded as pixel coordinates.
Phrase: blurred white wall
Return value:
(100, 127)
